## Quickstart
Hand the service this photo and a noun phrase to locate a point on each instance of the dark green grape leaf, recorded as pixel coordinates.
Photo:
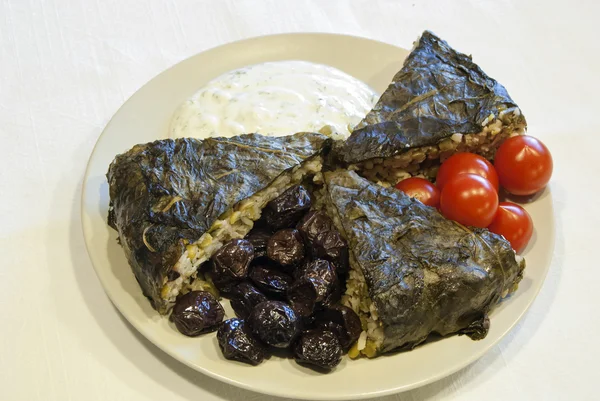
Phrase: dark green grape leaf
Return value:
(426, 274)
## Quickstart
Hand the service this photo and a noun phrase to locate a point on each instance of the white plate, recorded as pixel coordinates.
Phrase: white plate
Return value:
(145, 116)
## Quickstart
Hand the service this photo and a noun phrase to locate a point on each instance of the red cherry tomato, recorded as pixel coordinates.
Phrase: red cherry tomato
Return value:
(461, 163)
(421, 189)
(524, 165)
(514, 223)
(470, 200)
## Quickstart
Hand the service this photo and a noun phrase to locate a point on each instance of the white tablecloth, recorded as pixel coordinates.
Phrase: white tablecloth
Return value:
(66, 66)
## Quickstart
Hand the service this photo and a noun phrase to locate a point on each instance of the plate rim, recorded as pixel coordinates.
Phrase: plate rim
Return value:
(453, 368)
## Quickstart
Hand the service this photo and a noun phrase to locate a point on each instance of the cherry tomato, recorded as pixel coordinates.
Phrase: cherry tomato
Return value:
(470, 200)
(461, 163)
(514, 223)
(524, 165)
(421, 189)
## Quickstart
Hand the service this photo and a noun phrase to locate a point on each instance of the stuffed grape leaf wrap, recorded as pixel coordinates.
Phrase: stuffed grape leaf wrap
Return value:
(414, 272)
(439, 103)
(174, 202)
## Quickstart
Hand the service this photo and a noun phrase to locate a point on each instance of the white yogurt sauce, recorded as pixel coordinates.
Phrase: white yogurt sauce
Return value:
(275, 98)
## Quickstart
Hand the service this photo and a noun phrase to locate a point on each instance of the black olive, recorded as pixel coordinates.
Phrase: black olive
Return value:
(275, 323)
(342, 321)
(307, 321)
(230, 263)
(312, 224)
(197, 312)
(259, 239)
(286, 247)
(335, 295)
(315, 285)
(331, 246)
(316, 268)
(245, 297)
(318, 347)
(237, 343)
(306, 293)
(272, 282)
(285, 210)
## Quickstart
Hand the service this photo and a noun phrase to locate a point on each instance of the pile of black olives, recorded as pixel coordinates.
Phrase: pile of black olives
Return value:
(284, 282)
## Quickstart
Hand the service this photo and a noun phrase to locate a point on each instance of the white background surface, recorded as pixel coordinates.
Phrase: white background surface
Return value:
(67, 66)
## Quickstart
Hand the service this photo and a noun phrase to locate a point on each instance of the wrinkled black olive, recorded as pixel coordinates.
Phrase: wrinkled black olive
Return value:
(197, 312)
(230, 263)
(237, 343)
(315, 284)
(259, 239)
(307, 321)
(320, 268)
(343, 322)
(313, 223)
(275, 323)
(244, 297)
(271, 282)
(286, 247)
(335, 295)
(306, 293)
(331, 246)
(285, 210)
(318, 347)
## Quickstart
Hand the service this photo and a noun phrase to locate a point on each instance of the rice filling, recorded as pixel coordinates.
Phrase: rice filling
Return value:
(425, 161)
